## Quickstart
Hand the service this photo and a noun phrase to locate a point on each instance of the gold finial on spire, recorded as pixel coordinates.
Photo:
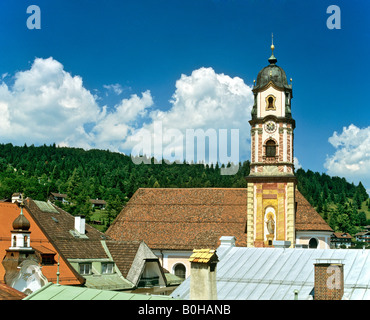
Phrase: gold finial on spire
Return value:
(272, 43)
(272, 59)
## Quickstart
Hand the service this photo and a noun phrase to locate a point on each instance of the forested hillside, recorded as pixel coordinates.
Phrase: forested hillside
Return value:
(84, 175)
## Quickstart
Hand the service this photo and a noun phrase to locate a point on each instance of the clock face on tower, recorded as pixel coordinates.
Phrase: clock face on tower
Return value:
(270, 126)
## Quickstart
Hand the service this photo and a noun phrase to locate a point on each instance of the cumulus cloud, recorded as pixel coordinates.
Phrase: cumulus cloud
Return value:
(352, 156)
(297, 165)
(203, 101)
(47, 104)
(113, 129)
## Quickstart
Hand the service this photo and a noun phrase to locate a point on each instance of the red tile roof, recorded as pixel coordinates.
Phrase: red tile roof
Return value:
(8, 213)
(182, 219)
(188, 218)
(342, 235)
(307, 218)
(8, 293)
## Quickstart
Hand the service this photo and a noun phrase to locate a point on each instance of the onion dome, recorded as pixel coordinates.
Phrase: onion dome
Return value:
(21, 222)
(272, 73)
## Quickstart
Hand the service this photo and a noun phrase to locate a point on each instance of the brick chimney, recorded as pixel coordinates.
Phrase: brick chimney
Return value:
(329, 279)
(203, 274)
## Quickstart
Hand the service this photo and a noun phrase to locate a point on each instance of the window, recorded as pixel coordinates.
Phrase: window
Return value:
(14, 241)
(47, 259)
(25, 239)
(85, 268)
(270, 148)
(270, 102)
(313, 243)
(180, 270)
(107, 268)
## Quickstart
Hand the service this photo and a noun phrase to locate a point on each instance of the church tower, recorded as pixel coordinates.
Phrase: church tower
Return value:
(21, 263)
(271, 182)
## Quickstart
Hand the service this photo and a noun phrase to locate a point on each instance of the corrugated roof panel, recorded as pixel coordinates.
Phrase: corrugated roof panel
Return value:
(270, 292)
(235, 264)
(259, 265)
(266, 273)
(83, 294)
(226, 289)
(236, 292)
(279, 261)
(354, 274)
(105, 295)
(258, 291)
(364, 275)
(57, 292)
(51, 292)
(357, 294)
(283, 291)
(366, 294)
(245, 290)
(266, 265)
(284, 265)
(66, 293)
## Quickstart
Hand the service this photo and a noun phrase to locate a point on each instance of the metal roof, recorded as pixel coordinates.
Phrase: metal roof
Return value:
(274, 273)
(58, 292)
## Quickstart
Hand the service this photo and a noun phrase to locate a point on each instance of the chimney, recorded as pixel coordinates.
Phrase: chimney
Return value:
(203, 274)
(80, 224)
(227, 241)
(329, 279)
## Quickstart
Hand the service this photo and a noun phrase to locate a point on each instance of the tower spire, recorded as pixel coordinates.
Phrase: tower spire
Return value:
(272, 59)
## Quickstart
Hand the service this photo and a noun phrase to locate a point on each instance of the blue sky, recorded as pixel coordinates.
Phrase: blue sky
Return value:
(124, 64)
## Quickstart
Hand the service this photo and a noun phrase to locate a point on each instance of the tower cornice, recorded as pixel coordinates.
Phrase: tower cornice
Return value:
(255, 121)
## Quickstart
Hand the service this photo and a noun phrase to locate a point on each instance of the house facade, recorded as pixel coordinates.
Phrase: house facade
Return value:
(341, 240)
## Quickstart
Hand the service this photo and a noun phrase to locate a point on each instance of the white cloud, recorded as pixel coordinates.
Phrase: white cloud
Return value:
(352, 156)
(204, 100)
(46, 104)
(297, 165)
(116, 88)
(113, 129)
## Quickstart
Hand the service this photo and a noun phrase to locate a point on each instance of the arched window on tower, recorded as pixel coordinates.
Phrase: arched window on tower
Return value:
(14, 241)
(25, 240)
(271, 103)
(270, 148)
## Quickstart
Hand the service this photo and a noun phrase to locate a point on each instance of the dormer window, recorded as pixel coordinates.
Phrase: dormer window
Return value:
(85, 268)
(270, 148)
(107, 267)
